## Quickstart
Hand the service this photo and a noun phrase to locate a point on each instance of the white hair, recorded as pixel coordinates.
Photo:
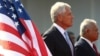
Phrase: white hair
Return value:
(86, 24)
(57, 8)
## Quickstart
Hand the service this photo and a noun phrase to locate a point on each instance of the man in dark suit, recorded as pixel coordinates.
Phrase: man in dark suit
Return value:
(88, 34)
(54, 37)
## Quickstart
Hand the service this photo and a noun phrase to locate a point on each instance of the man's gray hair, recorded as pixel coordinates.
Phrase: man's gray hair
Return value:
(86, 24)
(57, 8)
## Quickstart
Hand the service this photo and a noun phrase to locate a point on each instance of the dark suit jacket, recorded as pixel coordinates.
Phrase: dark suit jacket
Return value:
(82, 48)
(56, 42)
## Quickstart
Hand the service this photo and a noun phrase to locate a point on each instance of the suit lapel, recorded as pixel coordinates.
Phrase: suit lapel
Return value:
(59, 35)
(88, 47)
(61, 40)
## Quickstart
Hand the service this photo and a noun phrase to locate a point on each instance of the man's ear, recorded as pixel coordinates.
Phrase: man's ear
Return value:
(87, 30)
(59, 18)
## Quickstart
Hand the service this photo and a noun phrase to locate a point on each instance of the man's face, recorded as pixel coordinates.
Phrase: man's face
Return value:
(67, 18)
(93, 32)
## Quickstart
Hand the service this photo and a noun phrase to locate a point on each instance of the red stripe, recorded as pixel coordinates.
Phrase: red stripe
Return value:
(32, 50)
(27, 30)
(39, 38)
(9, 29)
(27, 33)
(14, 47)
(40, 41)
(1, 55)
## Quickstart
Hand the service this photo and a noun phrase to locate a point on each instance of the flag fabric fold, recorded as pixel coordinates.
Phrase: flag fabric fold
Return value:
(19, 36)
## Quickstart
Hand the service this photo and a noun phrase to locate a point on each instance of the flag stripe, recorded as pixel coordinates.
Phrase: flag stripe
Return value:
(43, 49)
(29, 44)
(7, 20)
(14, 47)
(6, 52)
(31, 36)
(9, 29)
(37, 38)
(6, 36)
(1, 55)
(18, 34)
(5, 29)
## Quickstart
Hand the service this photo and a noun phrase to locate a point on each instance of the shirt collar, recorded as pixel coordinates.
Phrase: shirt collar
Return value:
(59, 28)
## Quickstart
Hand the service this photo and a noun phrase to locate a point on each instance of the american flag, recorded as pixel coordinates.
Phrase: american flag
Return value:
(18, 34)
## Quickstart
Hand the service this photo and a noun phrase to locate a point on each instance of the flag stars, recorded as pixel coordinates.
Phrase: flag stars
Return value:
(0, 6)
(12, 8)
(16, 0)
(14, 16)
(16, 23)
(21, 5)
(20, 10)
(8, 13)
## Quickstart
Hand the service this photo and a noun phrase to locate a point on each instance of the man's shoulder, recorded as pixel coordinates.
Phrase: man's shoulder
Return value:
(80, 43)
(51, 30)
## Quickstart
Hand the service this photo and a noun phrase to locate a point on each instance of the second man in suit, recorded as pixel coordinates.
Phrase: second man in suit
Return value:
(54, 37)
(88, 34)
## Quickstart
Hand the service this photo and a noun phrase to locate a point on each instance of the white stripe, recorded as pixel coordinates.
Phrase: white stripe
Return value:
(34, 38)
(12, 38)
(9, 52)
(5, 19)
(26, 39)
